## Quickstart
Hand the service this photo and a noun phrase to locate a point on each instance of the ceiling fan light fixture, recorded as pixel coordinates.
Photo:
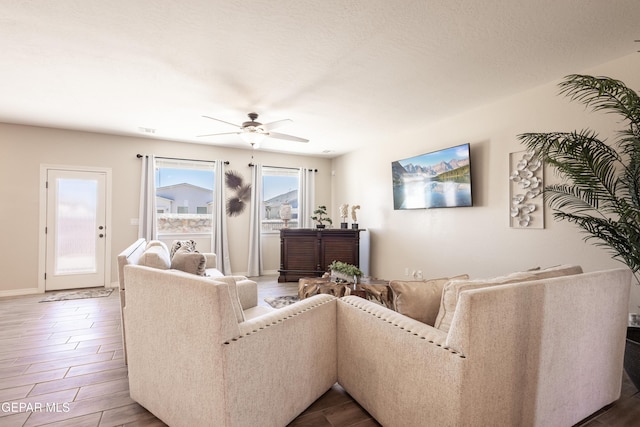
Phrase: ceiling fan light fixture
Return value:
(252, 136)
(253, 132)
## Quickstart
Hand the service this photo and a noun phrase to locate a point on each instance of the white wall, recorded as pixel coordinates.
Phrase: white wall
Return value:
(476, 240)
(24, 148)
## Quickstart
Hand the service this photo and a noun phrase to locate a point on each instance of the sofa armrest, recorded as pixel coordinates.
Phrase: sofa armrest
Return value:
(295, 342)
(212, 259)
(247, 292)
(274, 317)
(400, 321)
(397, 368)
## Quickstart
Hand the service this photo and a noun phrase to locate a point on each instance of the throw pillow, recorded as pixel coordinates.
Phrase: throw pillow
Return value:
(419, 300)
(452, 290)
(155, 257)
(188, 245)
(233, 295)
(190, 262)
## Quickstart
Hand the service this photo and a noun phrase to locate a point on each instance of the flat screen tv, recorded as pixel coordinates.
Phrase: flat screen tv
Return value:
(440, 179)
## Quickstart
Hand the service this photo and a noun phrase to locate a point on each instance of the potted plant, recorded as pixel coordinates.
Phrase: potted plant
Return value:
(342, 271)
(320, 217)
(601, 188)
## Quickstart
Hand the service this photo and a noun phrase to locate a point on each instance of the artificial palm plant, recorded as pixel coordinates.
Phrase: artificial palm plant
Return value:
(601, 188)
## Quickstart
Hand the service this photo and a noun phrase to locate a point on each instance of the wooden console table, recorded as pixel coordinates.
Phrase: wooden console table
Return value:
(307, 252)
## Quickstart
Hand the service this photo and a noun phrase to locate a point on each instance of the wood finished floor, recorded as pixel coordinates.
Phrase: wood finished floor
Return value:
(68, 355)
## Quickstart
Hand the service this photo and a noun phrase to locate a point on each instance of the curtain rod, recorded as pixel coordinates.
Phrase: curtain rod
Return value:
(281, 167)
(226, 162)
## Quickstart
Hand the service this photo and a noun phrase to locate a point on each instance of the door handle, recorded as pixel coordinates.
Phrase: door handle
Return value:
(100, 235)
(101, 228)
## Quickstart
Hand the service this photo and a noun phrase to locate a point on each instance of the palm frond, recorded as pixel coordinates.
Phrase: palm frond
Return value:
(581, 159)
(608, 234)
(600, 192)
(603, 93)
(562, 197)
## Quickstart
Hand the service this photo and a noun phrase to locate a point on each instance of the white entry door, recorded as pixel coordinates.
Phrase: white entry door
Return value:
(75, 229)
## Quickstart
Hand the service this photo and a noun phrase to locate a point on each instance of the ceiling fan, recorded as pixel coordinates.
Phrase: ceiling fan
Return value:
(254, 132)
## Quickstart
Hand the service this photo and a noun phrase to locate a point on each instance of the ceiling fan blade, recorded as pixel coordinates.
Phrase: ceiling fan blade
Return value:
(273, 125)
(217, 134)
(218, 120)
(288, 137)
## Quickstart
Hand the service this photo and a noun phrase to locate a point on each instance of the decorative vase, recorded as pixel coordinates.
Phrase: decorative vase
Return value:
(320, 226)
(632, 355)
(354, 226)
(344, 225)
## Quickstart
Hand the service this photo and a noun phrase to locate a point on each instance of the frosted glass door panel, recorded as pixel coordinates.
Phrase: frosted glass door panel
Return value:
(76, 223)
(75, 229)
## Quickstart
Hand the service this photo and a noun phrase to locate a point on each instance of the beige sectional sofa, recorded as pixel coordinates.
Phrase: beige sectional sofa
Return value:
(543, 352)
(155, 254)
(193, 363)
(524, 349)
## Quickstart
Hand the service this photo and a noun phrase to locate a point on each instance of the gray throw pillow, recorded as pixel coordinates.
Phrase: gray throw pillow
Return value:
(189, 262)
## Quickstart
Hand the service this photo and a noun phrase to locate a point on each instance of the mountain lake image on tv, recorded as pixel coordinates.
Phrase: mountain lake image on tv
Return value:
(441, 179)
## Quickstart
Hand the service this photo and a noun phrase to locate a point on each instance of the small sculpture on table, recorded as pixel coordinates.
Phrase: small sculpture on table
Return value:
(354, 217)
(344, 208)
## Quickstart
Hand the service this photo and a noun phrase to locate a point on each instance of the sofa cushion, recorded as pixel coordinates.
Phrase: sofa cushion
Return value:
(557, 271)
(190, 262)
(233, 295)
(419, 300)
(452, 289)
(213, 272)
(157, 243)
(155, 257)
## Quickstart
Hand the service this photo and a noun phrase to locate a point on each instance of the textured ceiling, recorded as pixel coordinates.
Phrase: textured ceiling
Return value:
(347, 72)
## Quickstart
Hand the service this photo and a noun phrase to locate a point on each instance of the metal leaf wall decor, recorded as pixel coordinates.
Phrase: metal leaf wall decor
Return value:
(238, 201)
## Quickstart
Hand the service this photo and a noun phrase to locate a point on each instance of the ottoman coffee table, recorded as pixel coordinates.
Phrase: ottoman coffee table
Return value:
(374, 290)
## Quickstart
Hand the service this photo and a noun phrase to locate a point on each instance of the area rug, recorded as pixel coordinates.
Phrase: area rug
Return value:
(79, 294)
(279, 302)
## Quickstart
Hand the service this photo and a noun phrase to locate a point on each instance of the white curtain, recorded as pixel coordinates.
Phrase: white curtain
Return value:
(306, 197)
(220, 244)
(147, 211)
(255, 267)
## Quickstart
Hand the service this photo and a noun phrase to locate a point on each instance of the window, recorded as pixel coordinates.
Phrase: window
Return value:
(279, 188)
(184, 190)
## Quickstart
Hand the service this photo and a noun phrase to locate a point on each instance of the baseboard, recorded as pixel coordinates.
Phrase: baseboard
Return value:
(19, 292)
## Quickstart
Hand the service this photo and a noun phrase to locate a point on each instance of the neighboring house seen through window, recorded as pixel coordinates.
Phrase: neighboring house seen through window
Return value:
(184, 197)
(279, 187)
